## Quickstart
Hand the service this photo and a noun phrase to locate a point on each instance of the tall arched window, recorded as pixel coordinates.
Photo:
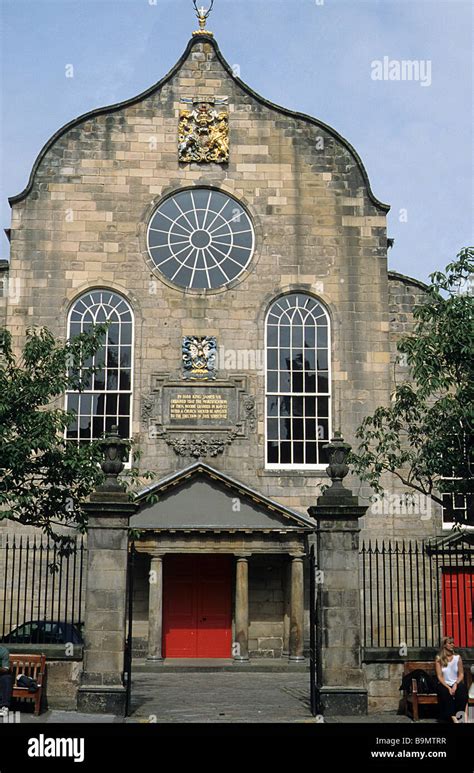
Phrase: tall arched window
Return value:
(107, 399)
(298, 382)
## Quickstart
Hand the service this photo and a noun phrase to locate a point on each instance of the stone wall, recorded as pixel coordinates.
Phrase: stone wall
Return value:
(266, 607)
(404, 294)
(383, 681)
(318, 228)
(62, 683)
(397, 518)
(4, 291)
(140, 604)
(82, 223)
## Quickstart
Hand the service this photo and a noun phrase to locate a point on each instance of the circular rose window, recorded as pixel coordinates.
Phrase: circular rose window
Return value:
(200, 239)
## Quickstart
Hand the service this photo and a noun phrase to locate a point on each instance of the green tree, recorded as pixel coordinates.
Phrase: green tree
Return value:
(43, 477)
(425, 436)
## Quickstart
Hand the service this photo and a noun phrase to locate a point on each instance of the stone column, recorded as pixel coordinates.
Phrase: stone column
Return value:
(102, 688)
(337, 514)
(155, 609)
(287, 608)
(242, 608)
(297, 609)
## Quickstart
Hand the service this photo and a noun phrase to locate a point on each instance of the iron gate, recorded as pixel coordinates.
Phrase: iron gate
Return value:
(127, 668)
(315, 634)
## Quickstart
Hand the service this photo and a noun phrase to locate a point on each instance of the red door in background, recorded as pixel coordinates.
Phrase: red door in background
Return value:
(197, 606)
(458, 601)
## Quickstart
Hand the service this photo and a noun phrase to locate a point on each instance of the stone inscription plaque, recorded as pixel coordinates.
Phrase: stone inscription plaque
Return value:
(198, 406)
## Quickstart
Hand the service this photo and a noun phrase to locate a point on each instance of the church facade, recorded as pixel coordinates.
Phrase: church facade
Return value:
(241, 256)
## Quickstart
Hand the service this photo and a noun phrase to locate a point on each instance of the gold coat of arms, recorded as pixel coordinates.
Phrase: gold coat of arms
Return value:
(203, 133)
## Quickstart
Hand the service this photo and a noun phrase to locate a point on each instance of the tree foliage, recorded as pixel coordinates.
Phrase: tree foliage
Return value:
(44, 478)
(425, 436)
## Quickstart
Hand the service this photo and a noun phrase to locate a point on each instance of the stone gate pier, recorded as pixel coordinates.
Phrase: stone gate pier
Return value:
(102, 687)
(338, 619)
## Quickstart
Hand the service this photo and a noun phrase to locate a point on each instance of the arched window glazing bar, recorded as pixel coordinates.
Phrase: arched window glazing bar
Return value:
(298, 382)
(107, 399)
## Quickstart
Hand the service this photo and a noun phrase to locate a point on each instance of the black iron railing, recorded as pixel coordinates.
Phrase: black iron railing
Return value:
(33, 598)
(412, 594)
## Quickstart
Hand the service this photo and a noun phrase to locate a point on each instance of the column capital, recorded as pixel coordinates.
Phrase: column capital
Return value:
(242, 556)
(156, 555)
(297, 556)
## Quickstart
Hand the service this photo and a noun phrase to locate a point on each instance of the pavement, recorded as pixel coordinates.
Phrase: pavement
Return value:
(213, 697)
(75, 717)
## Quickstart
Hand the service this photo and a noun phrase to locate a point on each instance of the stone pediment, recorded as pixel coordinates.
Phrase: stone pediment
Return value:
(200, 497)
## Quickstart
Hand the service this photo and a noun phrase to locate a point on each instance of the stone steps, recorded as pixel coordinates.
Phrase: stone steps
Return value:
(190, 665)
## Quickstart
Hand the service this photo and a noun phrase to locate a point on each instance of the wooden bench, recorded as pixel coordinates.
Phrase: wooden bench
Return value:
(415, 699)
(29, 665)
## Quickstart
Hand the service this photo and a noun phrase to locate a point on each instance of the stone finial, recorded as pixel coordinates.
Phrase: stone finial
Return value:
(336, 494)
(115, 452)
(338, 452)
(337, 501)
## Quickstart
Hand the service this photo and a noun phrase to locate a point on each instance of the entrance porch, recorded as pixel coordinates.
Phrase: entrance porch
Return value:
(220, 571)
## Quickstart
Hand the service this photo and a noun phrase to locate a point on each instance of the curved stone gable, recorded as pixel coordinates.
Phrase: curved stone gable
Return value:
(100, 123)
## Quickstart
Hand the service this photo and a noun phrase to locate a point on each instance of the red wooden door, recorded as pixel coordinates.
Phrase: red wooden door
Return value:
(458, 601)
(197, 611)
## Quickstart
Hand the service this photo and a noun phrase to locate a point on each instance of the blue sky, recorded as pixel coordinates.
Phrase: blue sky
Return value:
(310, 55)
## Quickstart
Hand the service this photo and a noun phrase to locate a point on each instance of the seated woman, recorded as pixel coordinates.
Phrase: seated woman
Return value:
(452, 692)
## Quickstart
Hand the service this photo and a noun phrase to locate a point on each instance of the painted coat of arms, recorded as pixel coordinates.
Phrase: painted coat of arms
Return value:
(199, 357)
(203, 133)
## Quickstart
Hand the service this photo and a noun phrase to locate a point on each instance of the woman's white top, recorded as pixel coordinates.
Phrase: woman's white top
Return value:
(450, 672)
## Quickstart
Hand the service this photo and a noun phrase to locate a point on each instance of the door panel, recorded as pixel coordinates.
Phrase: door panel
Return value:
(197, 612)
(179, 612)
(213, 608)
(458, 601)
